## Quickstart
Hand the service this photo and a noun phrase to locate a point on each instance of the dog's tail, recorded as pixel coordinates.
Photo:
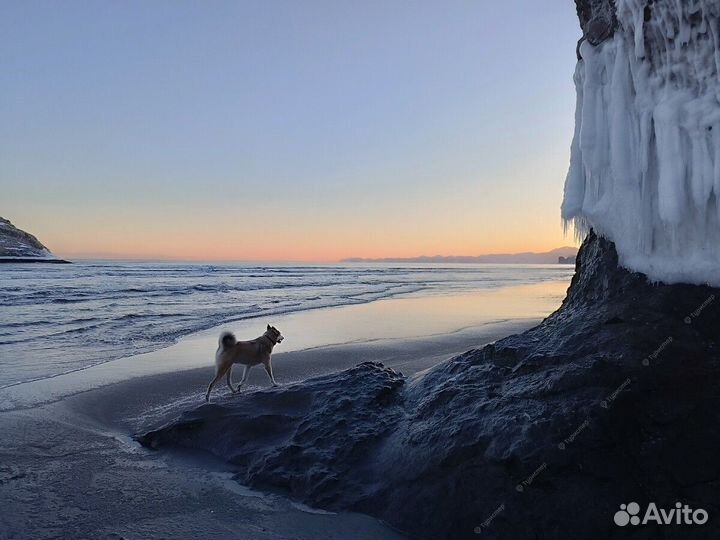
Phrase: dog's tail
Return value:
(227, 339)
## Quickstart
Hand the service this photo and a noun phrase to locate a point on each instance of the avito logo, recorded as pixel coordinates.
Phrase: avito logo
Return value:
(629, 514)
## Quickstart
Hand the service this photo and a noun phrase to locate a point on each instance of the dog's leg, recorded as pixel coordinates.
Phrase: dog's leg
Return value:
(219, 372)
(246, 372)
(212, 383)
(268, 368)
(229, 379)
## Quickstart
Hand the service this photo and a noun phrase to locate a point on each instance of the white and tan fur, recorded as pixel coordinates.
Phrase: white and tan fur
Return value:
(248, 353)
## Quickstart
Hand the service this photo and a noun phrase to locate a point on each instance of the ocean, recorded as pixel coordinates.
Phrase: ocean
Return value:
(61, 318)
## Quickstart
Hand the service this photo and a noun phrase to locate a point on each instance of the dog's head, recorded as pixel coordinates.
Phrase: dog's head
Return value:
(274, 334)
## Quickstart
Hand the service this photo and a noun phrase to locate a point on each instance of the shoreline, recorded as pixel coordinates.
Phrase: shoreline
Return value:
(75, 332)
(315, 332)
(162, 395)
(407, 355)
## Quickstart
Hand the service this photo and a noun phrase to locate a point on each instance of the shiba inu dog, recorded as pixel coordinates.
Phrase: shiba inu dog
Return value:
(248, 353)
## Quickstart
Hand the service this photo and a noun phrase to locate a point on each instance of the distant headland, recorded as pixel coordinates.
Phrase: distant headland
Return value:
(562, 255)
(18, 246)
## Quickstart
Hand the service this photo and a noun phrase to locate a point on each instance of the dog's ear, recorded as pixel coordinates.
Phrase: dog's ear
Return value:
(268, 327)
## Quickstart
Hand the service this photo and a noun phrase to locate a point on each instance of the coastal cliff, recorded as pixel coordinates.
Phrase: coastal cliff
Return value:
(19, 246)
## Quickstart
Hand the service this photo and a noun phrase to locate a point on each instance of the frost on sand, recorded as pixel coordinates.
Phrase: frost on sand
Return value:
(645, 160)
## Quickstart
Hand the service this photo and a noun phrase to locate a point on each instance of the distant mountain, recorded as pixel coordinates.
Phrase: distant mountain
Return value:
(19, 246)
(564, 254)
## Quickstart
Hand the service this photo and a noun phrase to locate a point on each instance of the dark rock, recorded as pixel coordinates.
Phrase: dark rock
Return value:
(597, 19)
(540, 435)
(310, 440)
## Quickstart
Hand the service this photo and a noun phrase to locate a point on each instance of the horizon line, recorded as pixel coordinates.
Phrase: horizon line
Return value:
(131, 258)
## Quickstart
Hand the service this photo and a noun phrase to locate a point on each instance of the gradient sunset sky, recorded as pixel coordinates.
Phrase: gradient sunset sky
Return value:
(293, 130)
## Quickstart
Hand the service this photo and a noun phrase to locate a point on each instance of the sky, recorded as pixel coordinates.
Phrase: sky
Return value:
(286, 130)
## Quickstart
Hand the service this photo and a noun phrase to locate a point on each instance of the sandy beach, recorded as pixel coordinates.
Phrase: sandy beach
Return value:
(71, 469)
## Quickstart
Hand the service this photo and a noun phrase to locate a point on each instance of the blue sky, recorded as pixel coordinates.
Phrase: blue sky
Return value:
(286, 130)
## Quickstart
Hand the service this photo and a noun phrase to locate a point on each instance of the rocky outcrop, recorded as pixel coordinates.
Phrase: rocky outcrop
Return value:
(311, 438)
(597, 19)
(19, 246)
(613, 398)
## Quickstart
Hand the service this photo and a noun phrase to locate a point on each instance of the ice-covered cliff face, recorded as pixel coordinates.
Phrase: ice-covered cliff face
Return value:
(645, 161)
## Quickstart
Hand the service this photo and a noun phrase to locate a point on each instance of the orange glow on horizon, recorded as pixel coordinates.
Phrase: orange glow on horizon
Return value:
(511, 214)
(274, 247)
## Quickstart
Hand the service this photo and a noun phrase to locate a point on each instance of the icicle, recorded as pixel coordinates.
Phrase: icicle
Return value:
(575, 182)
(645, 159)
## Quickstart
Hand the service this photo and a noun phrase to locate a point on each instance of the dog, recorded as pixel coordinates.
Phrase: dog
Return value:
(248, 353)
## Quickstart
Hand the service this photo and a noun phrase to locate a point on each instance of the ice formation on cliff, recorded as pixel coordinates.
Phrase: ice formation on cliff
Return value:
(645, 159)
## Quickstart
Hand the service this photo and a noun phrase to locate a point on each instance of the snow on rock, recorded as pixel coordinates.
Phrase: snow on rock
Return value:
(645, 159)
(18, 244)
